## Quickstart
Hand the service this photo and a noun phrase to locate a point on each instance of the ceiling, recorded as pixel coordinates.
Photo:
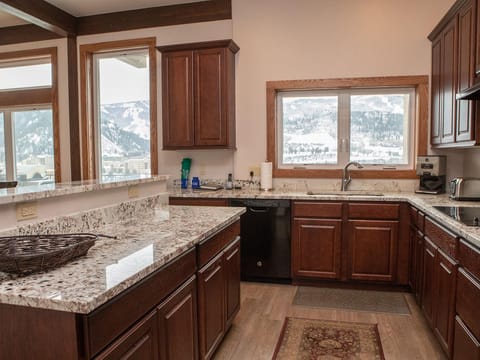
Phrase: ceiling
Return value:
(93, 7)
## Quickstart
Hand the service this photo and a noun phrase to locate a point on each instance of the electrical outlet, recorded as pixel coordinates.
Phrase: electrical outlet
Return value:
(133, 191)
(27, 210)
(255, 169)
(202, 171)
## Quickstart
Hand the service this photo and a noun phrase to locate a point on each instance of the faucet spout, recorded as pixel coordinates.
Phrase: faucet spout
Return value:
(346, 178)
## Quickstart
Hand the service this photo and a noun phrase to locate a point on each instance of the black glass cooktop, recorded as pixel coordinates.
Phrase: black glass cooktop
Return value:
(467, 215)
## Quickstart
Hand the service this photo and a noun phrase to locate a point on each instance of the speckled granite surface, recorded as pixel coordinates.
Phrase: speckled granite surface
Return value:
(423, 202)
(150, 234)
(36, 192)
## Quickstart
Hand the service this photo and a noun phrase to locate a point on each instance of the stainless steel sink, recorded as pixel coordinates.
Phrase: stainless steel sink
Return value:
(345, 193)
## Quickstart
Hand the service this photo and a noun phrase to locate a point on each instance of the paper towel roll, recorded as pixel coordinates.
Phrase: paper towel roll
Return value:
(266, 176)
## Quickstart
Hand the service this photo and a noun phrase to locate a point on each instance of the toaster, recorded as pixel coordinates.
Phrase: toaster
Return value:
(465, 189)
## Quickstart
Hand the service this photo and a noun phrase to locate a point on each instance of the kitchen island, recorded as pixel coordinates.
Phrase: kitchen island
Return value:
(117, 299)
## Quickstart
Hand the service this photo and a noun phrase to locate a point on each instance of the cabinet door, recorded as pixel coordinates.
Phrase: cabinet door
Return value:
(466, 70)
(177, 95)
(436, 91)
(139, 343)
(211, 306)
(317, 248)
(428, 286)
(412, 268)
(466, 346)
(210, 97)
(419, 267)
(232, 281)
(448, 82)
(177, 324)
(372, 250)
(445, 280)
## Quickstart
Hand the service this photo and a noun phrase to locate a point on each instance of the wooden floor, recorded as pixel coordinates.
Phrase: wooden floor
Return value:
(257, 326)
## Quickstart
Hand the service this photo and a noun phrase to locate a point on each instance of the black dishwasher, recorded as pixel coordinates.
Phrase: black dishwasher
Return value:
(265, 240)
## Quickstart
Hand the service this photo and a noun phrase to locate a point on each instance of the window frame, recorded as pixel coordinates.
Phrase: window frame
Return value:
(420, 125)
(37, 96)
(87, 101)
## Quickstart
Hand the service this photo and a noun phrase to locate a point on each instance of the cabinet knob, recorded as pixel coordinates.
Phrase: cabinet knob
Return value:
(259, 264)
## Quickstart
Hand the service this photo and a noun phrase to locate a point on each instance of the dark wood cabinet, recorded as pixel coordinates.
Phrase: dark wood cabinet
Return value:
(317, 240)
(211, 306)
(372, 250)
(445, 283)
(466, 346)
(477, 57)
(453, 71)
(139, 343)
(198, 95)
(232, 281)
(316, 248)
(177, 324)
(465, 130)
(218, 288)
(428, 281)
(177, 106)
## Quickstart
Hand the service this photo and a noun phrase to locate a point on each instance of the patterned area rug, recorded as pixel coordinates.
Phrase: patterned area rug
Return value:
(308, 339)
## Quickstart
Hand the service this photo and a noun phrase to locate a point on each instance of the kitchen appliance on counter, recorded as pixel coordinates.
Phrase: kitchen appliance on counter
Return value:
(432, 171)
(265, 240)
(465, 189)
(466, 215)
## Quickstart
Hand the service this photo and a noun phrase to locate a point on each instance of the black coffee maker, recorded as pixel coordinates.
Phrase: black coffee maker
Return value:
(432, 171)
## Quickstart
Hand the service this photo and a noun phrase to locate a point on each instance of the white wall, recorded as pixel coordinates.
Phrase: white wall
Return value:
(314, 39)
(61, 45)
(285, 40)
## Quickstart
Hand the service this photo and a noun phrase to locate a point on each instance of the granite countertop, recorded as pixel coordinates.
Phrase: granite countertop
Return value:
(36, 192)
(422, 202)
(144, 244)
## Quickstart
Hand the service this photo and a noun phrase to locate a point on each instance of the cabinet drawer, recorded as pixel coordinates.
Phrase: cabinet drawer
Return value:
(317, 209)
(469, 257)
(373, 211)
(110, 320)
(468, 300)
(209, 248)
(443, 238)
(466, 346)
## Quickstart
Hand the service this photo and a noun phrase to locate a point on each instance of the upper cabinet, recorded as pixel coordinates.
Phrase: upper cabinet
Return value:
(198, 95)
(453, 71)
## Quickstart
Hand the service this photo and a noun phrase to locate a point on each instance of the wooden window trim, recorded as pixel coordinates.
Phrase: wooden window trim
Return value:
(89, 156)
(420, 83)
(40, 96)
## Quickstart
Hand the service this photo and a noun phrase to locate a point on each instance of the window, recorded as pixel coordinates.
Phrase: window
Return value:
(322, 128)
(120, 119)
(28, 117)
(317, 127)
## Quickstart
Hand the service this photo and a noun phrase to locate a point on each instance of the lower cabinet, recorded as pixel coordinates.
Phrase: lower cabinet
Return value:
(466, 346)
(218, 297)
(372, 252)
(316, 248)
(177, 324)
(140, 342)
(428, 281)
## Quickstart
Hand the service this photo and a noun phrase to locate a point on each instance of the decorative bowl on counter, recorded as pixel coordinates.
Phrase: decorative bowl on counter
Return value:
(27, 254)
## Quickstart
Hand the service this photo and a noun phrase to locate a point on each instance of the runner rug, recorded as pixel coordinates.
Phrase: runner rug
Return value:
(309, 339)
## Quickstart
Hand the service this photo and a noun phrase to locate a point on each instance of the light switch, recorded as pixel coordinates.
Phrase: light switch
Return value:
(27, 210)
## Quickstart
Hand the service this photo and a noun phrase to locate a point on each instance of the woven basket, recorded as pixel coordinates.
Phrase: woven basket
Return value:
(34, 253)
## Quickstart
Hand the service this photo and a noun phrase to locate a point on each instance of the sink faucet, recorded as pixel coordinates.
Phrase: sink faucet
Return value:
(346, 178)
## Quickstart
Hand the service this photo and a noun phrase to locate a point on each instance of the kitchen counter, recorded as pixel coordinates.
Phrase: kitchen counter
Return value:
(422, 202)
(37, 192)
(145, 242)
